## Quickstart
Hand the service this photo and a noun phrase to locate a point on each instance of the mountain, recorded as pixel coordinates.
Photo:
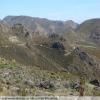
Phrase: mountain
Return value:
(45, 57)
(62, 36)
(87, 31)
(90, 30)
(41, 25)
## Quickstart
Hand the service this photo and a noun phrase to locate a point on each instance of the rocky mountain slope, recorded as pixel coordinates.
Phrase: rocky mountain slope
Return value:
(90, 30)
(39, 55)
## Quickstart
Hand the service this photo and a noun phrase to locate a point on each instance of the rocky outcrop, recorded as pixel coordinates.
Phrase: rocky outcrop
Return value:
(95, 82)
(45, 85)
(84, 57)
(58, 45)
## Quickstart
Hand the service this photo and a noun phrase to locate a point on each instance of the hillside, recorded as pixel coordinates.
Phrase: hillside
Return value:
(43, 57)
(90, 30)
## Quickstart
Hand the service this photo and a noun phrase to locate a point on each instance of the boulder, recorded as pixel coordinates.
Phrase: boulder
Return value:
(46, 85)
(30, 83)
(95, 82)
(58, 45)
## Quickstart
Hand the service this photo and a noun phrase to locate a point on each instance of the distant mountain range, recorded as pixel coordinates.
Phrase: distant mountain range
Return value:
(88, 30)
(41, 25)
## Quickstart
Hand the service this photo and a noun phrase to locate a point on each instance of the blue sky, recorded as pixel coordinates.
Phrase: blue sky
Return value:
(77, 10)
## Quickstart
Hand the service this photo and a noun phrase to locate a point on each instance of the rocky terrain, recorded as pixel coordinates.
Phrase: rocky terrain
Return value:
(44, 57)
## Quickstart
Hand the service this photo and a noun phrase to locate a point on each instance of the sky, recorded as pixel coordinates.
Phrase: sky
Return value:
(76, 10)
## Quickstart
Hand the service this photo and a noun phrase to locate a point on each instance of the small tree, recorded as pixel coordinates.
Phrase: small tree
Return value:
(81, 86)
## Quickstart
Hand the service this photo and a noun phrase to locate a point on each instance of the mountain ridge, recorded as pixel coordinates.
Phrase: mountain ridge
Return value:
(41, 24)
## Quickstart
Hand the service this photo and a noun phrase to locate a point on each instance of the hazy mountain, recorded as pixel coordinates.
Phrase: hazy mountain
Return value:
(41, 25)
(90, 29)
